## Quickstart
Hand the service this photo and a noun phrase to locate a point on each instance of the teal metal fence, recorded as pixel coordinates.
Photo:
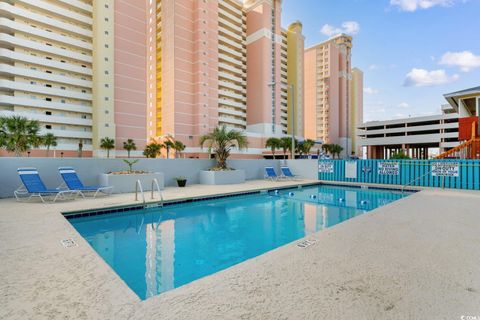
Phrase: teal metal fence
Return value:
(458, 174)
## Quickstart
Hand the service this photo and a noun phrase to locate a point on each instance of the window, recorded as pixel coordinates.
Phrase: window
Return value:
(48, 113)
(84, 66)
(48, 58)
(48, 85)
(106, 32)
(48, 44)
(48, 126)
(106, 98)
(62, 61)
(84, 116)
(48, 99)
(84, 91)
(106, 85)
(63, 88)
(106, 19)
(62, 101)
(106, 71)
(106, 45)
(48, 71)
(106, 59)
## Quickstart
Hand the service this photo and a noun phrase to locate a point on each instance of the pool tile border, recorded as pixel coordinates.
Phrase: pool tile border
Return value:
(156, 204)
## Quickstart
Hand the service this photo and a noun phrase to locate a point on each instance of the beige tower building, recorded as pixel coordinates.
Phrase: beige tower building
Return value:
(75, 66)
(329, 112)
(356, 109)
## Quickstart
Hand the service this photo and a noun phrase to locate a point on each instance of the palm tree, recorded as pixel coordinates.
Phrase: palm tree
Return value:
(306, 145)
(152, 150)
(178, 146)
(336, 149)
(222, 140)
(285, 144)
(18, 134)
(130, 146)
(273, 144)
(107, 144)
(169, 144)
(49, 140)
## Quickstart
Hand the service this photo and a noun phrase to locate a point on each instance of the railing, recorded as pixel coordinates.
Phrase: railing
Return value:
(155, 183)
(138, 185)
(467, 150)
(417, 178)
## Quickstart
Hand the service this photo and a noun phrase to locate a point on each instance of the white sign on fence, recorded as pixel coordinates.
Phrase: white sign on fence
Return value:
(325, 167)
(445, 169)
(388, 168)
(351, 169)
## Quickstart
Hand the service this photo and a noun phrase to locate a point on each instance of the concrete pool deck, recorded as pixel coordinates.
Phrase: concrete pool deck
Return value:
(416, 258)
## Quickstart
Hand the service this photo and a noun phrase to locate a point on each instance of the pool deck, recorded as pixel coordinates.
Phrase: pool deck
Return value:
(416, 258)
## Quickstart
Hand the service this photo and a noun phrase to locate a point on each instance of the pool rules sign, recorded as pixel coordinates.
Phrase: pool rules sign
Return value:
(445, 169)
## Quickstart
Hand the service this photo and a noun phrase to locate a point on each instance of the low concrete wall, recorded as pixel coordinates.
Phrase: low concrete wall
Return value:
(89, 169)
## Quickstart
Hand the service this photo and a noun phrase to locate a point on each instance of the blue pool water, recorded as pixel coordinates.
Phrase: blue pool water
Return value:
(156, 250)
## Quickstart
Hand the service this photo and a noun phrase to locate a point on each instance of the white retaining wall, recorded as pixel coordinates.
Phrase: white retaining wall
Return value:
(89, 168)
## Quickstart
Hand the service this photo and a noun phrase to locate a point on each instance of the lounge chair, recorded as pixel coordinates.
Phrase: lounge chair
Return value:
(287, 173)
(33, 186)
(73, 182)
(270, 174)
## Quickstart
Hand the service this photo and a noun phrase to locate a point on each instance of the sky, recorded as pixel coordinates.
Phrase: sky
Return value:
(411, 51)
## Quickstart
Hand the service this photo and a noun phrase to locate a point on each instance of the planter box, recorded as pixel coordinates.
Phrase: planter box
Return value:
(222, 177)
(124, 183)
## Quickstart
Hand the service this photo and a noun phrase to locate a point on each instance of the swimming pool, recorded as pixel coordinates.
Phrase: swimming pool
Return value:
(156, 250)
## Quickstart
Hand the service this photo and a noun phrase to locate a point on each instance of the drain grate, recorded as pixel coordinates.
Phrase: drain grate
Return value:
(306, 243)
(68, 243)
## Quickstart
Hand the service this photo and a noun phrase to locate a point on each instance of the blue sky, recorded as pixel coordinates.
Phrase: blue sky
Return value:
(411, 51)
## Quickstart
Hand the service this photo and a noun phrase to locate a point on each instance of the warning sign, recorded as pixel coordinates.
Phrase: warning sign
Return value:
(445, 169)
(388, 168)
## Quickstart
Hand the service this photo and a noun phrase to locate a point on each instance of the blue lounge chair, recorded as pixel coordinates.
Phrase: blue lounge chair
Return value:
(287, 174)
(73, 182)
(270, 174)
(33, 186)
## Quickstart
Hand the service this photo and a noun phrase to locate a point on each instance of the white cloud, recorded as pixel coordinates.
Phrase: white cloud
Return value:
(373, 67)
(413, 5)
(368, 90)
(422, 77)
(403, 105)
(348, 27)
(465, 60)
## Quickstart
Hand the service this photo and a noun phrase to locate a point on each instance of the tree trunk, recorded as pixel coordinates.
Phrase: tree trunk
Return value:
(48, 151)
(108, 153)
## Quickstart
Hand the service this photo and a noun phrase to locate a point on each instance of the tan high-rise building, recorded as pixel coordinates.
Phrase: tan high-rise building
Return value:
(356, 109)
(329, 111)
(78, 67)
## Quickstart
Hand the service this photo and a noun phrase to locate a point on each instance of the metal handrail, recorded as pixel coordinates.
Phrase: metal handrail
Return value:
(410, 182)
(138, 185)
(155, 183)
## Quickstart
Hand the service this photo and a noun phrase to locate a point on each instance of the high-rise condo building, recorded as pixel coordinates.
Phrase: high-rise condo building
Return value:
(330, 114)
(78, 67)
(223, 62)
(355, 114)
(121, 69)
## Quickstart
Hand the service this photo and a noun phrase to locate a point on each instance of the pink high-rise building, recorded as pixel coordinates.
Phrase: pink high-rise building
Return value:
(218, 63)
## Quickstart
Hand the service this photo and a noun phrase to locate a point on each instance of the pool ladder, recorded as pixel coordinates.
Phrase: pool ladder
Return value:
(139, 187)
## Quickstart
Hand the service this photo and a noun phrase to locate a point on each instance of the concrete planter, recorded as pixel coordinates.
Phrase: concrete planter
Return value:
(222, 177)
(124, 183)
